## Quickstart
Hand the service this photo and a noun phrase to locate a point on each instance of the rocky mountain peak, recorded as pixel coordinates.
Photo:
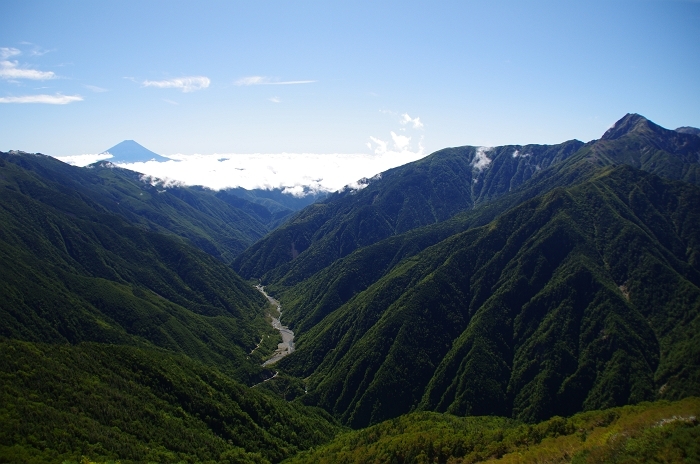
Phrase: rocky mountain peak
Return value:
(631, 122)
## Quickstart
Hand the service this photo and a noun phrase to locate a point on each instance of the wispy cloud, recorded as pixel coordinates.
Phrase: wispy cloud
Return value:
(274, 99)
(172, 102)
(36, 49)
(94, 88)
(10, 70)
(481, 160)
(381, 145)
(57, 99)
(5, 52)
(186, 84)
(415, 122)
(262, 80)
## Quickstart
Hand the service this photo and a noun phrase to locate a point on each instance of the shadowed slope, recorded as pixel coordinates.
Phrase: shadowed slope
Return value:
(580, 298)
(424, 192)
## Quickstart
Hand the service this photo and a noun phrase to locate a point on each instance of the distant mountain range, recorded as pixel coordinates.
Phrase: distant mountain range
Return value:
(521, 282)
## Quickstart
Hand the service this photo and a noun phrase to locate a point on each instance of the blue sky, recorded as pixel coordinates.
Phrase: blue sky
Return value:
(338, 76)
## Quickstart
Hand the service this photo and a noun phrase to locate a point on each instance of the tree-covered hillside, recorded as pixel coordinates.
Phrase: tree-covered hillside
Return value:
(581, 298)
(520, 283)
(122, 342)
(308, 301)
(424, 192)
(454, 181)
(666, 432)
(219, 223)
(74, 272)
(108, 402)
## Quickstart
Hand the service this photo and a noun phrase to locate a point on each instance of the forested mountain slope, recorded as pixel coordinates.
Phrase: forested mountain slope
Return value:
(121, 342)
(520, 281)
(73, 271)
(581, 298)
(105, 402)
(220, 224)
(456, 180)
(424, 192)
(308, 301)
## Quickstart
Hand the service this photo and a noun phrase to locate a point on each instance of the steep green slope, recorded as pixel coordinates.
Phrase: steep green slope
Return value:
(276, 200)
(74, 272)
(221, 225)
(578, 299)
(308, 301)
(107, 402)
(424, 192)
(651, 432)
(323, 233)
(638, 142)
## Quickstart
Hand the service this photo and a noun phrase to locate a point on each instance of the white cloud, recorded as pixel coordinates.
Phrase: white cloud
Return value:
(401, 142)
(381, 145)
(293, 172)
(415, 122)
(262, 80)
(517, 154)
(187, 84)
(172, 102)
(274, 99)
(481, 161)
(57, 99)
(5, 52)
(9, 70)
(84, 160)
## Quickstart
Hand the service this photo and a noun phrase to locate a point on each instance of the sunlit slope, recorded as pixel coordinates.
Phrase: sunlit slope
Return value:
(581, 298)
(424, 192)
(650, 432)
(73, 271)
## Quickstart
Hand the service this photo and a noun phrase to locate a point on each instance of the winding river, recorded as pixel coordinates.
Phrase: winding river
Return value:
(287, 345)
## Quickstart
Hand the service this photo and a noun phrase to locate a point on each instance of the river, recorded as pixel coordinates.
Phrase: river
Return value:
(287, 345)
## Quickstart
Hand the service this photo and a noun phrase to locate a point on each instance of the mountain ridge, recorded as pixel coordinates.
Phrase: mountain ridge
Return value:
(424, 192)
(369, 360)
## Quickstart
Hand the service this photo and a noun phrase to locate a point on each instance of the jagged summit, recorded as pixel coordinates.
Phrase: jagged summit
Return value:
(636, 130)
(130, 151)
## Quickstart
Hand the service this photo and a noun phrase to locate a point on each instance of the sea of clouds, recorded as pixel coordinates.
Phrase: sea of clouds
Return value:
(295, 173)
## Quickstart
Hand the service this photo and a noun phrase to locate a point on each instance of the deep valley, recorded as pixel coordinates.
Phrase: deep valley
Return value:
(522, 303)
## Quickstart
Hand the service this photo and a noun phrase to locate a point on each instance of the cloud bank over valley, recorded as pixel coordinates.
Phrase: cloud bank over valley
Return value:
(295, 173)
